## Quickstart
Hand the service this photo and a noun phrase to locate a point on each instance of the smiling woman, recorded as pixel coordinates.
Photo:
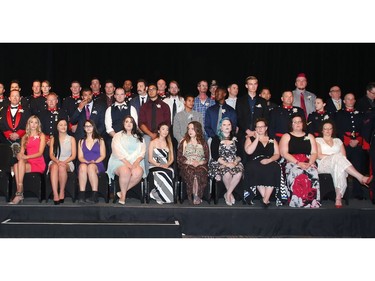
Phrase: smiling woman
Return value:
(300, 151)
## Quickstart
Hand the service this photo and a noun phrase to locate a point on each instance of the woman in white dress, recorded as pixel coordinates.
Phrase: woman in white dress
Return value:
(332, 159)
(127, 158)
(62, 153)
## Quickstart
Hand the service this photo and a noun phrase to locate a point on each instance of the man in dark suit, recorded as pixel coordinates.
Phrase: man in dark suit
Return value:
(249, 108)
(88, 109)
(142, 96)
(335, 103)
(213, 112)
(367, 103)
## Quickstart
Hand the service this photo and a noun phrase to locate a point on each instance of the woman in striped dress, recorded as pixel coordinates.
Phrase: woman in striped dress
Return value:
(161, 173)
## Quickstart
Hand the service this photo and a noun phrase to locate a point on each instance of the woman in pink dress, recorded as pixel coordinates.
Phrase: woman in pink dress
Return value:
(30, 158)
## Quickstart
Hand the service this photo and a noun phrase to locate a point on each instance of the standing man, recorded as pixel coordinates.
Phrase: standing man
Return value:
(303, 98)
(174, 101)
(219, 110)
(349, 123)
(13, 122)
(183, 118)
(280, 116)
(335, 103)
(128, 87)
(151, 114)
(367, 102)
(70, 103)
(232, 95)
(88, 109)
(202, 101)
(249, 108)
(139, 100)
(95, 88)
(162, 87)
(266, 94)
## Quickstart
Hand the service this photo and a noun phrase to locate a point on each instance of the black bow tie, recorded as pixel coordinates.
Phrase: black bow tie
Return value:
(14, 107)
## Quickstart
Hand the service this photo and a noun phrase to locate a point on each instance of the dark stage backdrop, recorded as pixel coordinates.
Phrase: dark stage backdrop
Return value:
(349, 65)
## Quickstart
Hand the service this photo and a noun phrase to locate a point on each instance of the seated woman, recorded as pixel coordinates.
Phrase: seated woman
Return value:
(62, 151)
(262, 172)
(300, 151)
(30, 158)
(332, 159)
(192, 159)
(160, 155)
(225, 165)
(127, 158)
(91, 153)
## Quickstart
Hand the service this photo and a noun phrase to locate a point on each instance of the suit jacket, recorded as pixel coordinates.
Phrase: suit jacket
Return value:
(246, 119)
(309, 99)
(331, 107)
(97, 115)
(136, 102)
(363, 105)
(212, 114)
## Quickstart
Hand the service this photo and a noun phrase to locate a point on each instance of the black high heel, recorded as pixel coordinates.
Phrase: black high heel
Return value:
(61, 201)
(56, 202)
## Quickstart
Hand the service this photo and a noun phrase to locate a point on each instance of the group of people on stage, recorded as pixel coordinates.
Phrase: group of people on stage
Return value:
(246, 142)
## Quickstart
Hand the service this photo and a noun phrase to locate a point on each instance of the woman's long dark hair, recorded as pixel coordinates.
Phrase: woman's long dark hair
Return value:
(56, 142)
(135, 131)
(95, 134)
(198, 131)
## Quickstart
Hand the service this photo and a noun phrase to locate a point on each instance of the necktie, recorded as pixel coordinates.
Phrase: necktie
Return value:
(120, 107)
(153, 117)
(87, 112)
(338, 105)
(143, 101)
(219, 116)
(303, 105)
(174, 110)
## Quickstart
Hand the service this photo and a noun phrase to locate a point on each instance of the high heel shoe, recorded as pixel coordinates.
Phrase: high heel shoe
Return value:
(366, 182)
(226, 200)
(118, 194)
(18, 199)
(56, 202)
(61, 201)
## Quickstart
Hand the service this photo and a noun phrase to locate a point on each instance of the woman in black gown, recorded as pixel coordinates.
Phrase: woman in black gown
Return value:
(262, 172)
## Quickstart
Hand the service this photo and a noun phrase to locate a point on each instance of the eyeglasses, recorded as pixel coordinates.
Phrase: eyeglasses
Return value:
(297, 122)
(372, 93)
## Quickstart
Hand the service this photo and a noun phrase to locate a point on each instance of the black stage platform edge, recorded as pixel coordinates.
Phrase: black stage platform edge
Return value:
(209, 221)
(22, 229)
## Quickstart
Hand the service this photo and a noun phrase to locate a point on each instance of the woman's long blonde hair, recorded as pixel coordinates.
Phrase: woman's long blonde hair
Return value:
(28, 129)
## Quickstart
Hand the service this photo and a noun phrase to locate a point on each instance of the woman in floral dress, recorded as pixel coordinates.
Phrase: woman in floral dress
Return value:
(225, 165)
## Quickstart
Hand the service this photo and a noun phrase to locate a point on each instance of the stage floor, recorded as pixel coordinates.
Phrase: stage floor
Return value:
(69, 220)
